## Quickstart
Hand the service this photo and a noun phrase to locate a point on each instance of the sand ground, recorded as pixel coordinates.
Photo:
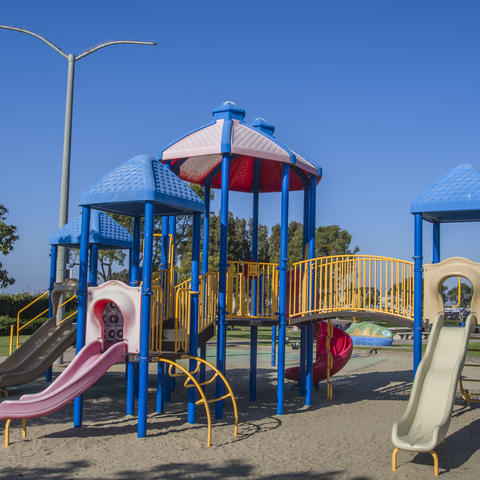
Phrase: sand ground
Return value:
(346, 438)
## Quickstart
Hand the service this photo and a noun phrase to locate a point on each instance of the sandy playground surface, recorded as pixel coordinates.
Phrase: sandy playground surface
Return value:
(347, 438)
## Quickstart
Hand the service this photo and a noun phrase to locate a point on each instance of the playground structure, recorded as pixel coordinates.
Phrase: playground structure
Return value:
(177, 320)
(157, 320)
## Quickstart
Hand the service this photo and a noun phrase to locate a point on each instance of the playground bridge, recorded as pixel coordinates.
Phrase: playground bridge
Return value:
(323, 287)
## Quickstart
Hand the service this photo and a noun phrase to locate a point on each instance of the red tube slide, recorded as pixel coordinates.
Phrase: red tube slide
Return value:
(340, 346)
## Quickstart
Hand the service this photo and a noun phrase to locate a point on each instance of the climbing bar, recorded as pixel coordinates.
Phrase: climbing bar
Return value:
(329, 359)
(227, 385)
(202, 400)
(351, 283)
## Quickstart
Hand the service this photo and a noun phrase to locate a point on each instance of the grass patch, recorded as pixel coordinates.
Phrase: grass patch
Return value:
(5, 344)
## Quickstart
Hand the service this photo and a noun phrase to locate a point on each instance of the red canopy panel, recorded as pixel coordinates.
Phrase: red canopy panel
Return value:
(207, 170)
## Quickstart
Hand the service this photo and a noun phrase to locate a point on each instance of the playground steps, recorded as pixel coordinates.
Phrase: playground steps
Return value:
(169, 336)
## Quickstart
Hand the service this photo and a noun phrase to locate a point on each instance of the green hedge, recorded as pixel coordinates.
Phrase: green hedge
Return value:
(11, 304)
(5, 323)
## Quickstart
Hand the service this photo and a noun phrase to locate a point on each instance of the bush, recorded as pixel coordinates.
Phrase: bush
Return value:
(5, 323)
(11, 304)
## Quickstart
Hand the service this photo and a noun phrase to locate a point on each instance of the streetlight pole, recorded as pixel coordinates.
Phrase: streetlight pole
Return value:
(67, 138)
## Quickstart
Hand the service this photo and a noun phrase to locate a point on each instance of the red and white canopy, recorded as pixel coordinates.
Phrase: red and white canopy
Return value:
(256, 156)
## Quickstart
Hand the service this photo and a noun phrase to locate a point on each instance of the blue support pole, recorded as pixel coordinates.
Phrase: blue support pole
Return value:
(304, 328)
(282, 290)
(164, 249)
(133, 280)
(194, 312)
(93, 268)
(222, 288)
(51, 284)
(274, 346)
(254, 328)
(143, 359)
(436, 243)
(310, 328)
(205, 239)
(163, 384)
(172, 230)
(160, 387)
(418, 292)
(82, 304)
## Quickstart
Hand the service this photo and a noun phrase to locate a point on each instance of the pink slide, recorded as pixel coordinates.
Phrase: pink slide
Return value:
(85, 369)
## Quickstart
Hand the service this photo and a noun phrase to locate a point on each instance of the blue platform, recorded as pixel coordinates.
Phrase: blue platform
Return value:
(104, 232)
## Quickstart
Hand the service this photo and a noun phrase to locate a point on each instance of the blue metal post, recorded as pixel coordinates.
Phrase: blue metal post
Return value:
(254, 328)
(222, 288)
(194, 312)
(93, 270)
(436, 243)
(53, 276)
(172, 230)
(418, 293)
(164, 249)
(163, 385)
(206, 235)
(82, 304)
(143, 359)
(160, 386)
(311, 254)
(135, 263)
(304, 328)
(282, 290)
(274, 346)
(134, 275)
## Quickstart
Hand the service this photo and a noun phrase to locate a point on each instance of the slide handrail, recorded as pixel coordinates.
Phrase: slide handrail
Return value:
(21, 327)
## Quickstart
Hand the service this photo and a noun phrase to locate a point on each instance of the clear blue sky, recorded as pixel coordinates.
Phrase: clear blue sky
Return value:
(384, 95)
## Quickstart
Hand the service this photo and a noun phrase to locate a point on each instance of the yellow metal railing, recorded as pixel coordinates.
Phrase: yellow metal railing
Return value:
(26, 307)
(352, 283)
(252, 290)
(182, 316)
(170, 302)
(207, 300)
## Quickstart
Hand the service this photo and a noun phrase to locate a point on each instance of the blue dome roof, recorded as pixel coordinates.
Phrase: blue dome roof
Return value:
(454, 197)
(142, 179)
(104, 231)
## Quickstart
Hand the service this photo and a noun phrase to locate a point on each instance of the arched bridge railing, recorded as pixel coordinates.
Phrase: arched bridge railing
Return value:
(353, 283)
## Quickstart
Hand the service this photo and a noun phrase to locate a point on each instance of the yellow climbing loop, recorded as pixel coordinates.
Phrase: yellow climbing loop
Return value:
(203, 399)
(329, 358)
(7, 430)
(217, 373)
(192, 382)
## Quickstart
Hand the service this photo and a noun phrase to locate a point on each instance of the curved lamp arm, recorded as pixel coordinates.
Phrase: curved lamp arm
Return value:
(115, 42)
(36, 35)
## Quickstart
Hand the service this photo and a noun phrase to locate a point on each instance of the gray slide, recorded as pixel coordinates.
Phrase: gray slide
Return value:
(427, 417)
(39, 351)
(43, 347)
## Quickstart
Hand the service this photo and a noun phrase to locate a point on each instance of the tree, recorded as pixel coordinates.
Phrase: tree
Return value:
(466, 293)
(329, 240)
(8, 237)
